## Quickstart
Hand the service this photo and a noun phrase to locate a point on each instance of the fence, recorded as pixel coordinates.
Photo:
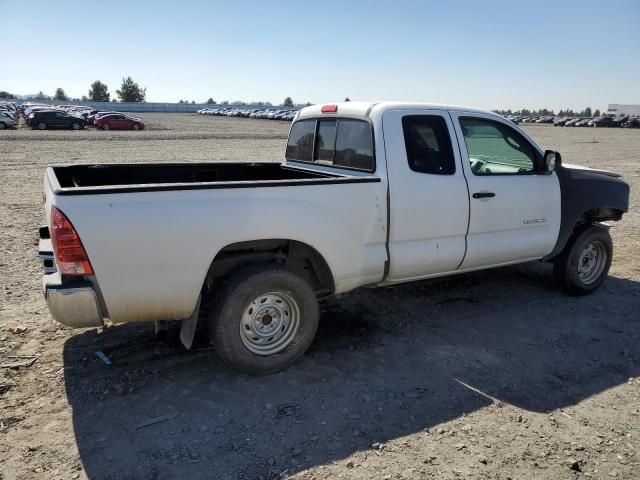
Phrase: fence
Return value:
(151, 106)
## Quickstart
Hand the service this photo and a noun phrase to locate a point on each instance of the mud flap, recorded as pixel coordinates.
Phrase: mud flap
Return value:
(188, 327)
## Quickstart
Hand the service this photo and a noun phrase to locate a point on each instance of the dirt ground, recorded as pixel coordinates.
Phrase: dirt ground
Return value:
(490, 375)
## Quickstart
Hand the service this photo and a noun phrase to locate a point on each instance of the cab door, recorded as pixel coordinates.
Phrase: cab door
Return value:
(59, 119)
(514, 202)
(429, 202)
(116, 122)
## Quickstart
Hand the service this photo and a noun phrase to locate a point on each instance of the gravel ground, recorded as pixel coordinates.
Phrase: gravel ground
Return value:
(487, 375)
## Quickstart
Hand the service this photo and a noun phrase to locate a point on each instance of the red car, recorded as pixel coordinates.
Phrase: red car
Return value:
(118, 121)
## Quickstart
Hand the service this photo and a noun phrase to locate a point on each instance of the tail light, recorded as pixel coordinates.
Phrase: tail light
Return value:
(67, 247)
(329, 109)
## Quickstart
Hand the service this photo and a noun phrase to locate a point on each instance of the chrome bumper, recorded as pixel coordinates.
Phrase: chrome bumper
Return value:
(71, 303)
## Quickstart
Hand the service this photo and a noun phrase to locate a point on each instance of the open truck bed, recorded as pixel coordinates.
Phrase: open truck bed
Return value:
(120, 178)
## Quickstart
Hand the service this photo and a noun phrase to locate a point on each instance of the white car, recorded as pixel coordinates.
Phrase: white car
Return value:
(369, 194)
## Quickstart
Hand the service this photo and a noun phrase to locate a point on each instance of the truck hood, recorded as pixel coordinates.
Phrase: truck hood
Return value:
(587, 169)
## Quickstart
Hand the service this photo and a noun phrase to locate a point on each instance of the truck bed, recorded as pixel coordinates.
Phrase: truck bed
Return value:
(163, 176)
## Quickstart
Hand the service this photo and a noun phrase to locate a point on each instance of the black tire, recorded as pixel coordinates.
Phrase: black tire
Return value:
(42, 126)
(76, 126)
(2, 126)
(106, 126)
(576, 257)
(228, 317)
(136, 126)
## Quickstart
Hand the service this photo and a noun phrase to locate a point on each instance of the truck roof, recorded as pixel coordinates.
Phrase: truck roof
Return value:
(363, 109)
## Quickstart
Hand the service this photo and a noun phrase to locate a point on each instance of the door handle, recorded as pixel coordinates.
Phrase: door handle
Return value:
(484, 195)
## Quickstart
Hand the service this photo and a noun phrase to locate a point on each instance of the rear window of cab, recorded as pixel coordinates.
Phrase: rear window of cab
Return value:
(339, 142)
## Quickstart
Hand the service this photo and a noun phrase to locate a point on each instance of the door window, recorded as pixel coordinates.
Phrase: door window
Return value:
(496, 149)
(428, 144)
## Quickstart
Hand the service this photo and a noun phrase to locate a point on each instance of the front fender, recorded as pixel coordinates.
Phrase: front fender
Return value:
(588, 195)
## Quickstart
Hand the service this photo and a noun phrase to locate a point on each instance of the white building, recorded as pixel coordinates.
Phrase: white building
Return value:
(616, 109)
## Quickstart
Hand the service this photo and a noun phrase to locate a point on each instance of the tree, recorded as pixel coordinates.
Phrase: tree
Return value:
(6, 95)
(587, 112)
(181, 101)
(347, 99)
(211, 101)
(287, 102)
(60, 95)
(84, 98)
(41, 96)
(596, 113)
(99, 92)
(130, 91)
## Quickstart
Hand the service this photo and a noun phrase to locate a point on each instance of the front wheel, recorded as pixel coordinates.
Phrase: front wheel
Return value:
(585, 263)
(75, 126)
(42, 126)
(136, 126)
(264, 319)
(106, 126)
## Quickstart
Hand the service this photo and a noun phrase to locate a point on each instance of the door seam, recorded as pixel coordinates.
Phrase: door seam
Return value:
(464, 175)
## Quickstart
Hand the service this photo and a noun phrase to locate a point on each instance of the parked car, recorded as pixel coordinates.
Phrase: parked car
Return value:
(12, 106)
(633, 122)
(619, 121)
(118, 121)
(91, 118)
(560, 122)
(6, 120)
(44, 119)
(572, 123)
(198, 231)
(8, 111)
(583, 123)
(37, 108)
(601, 122)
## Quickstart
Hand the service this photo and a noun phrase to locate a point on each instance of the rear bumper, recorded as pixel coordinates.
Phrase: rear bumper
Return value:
(73, 303)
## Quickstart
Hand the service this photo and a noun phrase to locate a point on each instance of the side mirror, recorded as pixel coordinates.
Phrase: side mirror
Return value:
(552, 160)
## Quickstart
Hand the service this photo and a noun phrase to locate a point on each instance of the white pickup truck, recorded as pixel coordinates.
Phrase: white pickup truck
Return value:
(369, 194)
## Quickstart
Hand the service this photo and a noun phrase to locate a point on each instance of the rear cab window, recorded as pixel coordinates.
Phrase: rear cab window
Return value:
(338, 142)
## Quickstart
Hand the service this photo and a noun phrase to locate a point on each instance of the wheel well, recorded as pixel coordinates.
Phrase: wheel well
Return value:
(588, 219)
(296, 256)
(600, 215)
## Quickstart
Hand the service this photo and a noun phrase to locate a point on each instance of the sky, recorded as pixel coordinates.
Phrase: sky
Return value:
(485, 54)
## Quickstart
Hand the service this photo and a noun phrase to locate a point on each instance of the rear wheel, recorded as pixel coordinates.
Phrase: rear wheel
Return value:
(264, 320)
(42, 126)
(2, 126)
(106, 126)
(75, 126)
(585, 263)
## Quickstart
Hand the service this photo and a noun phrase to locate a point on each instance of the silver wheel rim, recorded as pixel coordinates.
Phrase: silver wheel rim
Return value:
(592, 262)
(106, 126)
(136, 127)
(42, 126)
(75, 126)
(269, 323)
